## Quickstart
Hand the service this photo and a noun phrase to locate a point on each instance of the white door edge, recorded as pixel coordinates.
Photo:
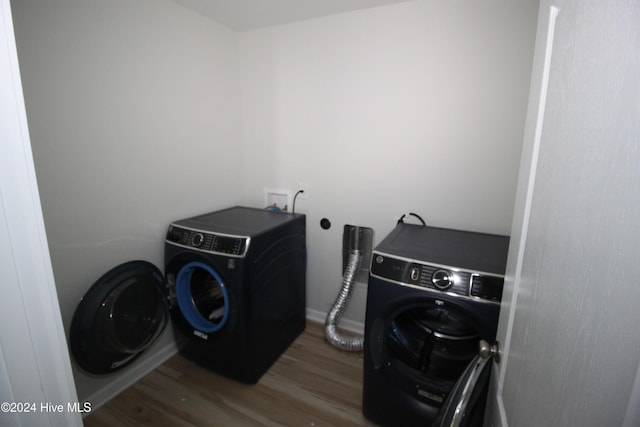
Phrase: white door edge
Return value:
(521, 229)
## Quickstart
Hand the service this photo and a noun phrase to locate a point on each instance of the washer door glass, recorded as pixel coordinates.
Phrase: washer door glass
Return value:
(121, 315)
(202, 297)
(438, 342)
(135, 313)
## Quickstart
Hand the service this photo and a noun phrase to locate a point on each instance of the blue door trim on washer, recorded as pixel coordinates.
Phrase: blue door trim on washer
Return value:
(185, 298)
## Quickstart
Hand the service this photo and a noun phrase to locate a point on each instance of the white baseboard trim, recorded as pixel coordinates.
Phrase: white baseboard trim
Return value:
(116, 387)
(346, 324)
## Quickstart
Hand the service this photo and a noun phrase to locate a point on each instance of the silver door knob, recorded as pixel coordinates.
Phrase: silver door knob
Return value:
(487, 350)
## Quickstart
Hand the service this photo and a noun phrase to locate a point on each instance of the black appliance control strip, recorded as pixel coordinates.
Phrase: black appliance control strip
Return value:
(477, 285)
(208, 242)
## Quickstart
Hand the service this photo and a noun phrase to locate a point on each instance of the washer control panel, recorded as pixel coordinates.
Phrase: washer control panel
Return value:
(456, 281)
(224, 244)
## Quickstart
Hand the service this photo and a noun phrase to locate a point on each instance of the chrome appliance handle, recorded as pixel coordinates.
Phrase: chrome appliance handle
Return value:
(456, 407)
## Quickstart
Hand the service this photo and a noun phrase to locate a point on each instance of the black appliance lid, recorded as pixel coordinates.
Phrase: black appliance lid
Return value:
(238, 221)
(456, 248)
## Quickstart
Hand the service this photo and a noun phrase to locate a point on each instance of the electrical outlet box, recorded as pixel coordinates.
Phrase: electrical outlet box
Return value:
(278, 199)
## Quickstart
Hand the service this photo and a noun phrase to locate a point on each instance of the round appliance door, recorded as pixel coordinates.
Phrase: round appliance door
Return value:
(202, 297)
(431, 345)
(121, 315)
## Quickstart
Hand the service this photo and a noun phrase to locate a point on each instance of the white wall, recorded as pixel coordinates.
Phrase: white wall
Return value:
(145, 112)
(133, 113)
(414, 107)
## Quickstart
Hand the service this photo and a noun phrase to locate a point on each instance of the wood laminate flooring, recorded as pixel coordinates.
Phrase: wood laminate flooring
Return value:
(312, 384)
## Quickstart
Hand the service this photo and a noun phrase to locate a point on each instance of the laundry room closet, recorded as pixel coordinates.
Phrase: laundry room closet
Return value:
(144, 112)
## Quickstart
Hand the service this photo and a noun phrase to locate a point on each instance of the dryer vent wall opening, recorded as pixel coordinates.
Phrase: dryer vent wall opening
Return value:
(357, 243)
(360, 239)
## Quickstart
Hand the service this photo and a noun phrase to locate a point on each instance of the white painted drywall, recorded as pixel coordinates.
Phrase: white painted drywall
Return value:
(246, 15)
(144, 112)
(133, 113)
(414, 107)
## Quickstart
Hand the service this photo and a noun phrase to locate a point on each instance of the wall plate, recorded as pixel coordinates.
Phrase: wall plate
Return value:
(280, 198)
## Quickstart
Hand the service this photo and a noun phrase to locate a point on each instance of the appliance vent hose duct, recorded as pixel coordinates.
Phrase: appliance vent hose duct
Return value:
(344, 342)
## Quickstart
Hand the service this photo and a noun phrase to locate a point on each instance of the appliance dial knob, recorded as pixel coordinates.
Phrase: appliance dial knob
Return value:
(197, 240)
(442, 279)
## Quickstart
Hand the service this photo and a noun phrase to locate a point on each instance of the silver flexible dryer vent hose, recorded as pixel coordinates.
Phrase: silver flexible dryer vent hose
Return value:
(344, 342)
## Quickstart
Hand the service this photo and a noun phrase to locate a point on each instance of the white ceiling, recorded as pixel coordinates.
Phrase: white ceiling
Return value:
(246, 15)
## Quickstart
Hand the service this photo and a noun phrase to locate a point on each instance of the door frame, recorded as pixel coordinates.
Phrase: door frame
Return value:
(35, 367)
(547, 15)
(628, 411)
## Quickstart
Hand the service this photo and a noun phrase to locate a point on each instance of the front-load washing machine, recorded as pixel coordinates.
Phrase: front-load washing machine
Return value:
(234, 284)
(240, 287)
(433, 294)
